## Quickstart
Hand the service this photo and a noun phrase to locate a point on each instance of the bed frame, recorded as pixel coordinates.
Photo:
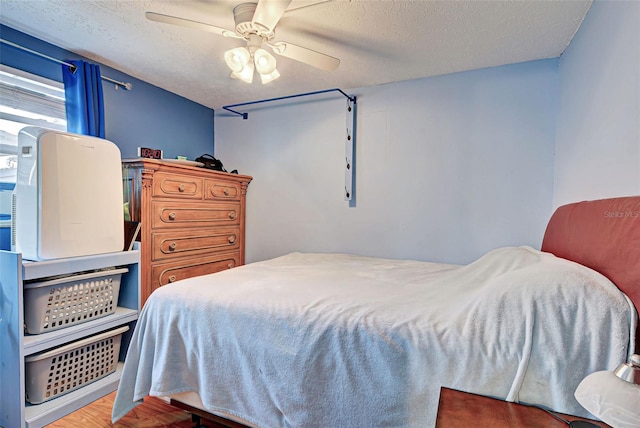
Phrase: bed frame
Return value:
(603, 235)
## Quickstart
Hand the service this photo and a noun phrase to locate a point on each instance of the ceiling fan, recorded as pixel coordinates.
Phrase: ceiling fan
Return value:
(256, 23)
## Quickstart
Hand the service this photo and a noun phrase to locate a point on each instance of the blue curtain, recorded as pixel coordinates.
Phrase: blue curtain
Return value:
(84, 103)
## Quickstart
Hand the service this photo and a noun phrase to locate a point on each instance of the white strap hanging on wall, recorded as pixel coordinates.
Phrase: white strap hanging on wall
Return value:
(349, 144)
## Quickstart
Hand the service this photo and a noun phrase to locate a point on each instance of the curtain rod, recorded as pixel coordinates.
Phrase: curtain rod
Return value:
(123, 85)
(246, 115)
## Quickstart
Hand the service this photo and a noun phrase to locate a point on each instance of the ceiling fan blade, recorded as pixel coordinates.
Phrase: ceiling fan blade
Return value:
(269, 12)
(308, 56)
(167, 19)
(311, 3)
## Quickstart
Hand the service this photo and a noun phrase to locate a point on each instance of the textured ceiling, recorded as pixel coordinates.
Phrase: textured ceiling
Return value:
(377, 41)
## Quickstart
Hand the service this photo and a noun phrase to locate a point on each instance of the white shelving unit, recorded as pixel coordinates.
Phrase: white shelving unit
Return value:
(15, 345)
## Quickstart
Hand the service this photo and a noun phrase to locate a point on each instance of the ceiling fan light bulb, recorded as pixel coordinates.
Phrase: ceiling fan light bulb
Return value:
(265, 62)
(266, 78)
(246, 74)
(237, 58)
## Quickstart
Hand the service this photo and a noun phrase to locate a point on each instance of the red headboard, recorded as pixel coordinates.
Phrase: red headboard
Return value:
(603, 235)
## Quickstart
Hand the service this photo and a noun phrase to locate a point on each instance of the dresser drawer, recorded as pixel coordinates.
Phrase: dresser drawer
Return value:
(221, 190)
(180, 243)
(177, 186)
(165, 273)
(170, 214)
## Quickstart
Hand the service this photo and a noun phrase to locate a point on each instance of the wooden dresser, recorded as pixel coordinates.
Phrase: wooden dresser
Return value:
(192, 220)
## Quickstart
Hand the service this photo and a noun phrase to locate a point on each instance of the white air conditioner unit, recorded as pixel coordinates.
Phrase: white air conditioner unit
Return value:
(68, 196)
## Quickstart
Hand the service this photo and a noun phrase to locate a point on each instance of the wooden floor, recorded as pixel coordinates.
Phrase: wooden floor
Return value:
(154, 412)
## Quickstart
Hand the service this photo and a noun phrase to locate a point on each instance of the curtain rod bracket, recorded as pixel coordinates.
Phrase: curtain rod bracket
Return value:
(126, 86)
(245, 116)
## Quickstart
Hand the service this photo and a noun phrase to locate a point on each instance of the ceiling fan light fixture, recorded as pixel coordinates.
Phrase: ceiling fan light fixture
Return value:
(266, 78)
(237, 59)
(265, 62)
(255, 23)
(246, 74)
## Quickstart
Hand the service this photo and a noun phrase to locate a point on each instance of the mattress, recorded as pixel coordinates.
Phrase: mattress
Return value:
(333, 340)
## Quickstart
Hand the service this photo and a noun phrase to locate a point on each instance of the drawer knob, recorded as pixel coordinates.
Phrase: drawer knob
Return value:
(230, 265)
(232, 215)
(172, 216)
(232, 239)
(172, 278)
(173, 246)
(181, 188)
(226, 191)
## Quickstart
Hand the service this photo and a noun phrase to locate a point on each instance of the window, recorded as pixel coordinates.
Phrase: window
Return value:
(25, 99)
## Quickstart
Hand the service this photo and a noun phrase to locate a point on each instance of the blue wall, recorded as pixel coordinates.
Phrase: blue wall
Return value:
(598, 137)
(447, 167)
(145, 116)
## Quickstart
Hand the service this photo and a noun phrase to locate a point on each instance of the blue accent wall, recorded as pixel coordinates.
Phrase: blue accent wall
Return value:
(146, 116)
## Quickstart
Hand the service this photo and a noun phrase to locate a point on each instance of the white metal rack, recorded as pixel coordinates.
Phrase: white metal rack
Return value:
(15, 345)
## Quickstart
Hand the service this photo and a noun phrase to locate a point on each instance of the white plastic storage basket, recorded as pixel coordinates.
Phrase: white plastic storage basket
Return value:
(58, 371)
(62, 302)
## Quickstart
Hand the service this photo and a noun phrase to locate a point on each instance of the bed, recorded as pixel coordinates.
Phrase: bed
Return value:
(336, 340)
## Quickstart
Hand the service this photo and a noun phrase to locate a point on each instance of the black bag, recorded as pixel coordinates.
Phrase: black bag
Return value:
(211, 163)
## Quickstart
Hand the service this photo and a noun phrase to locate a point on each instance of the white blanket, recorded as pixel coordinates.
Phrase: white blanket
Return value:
(330, 340)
